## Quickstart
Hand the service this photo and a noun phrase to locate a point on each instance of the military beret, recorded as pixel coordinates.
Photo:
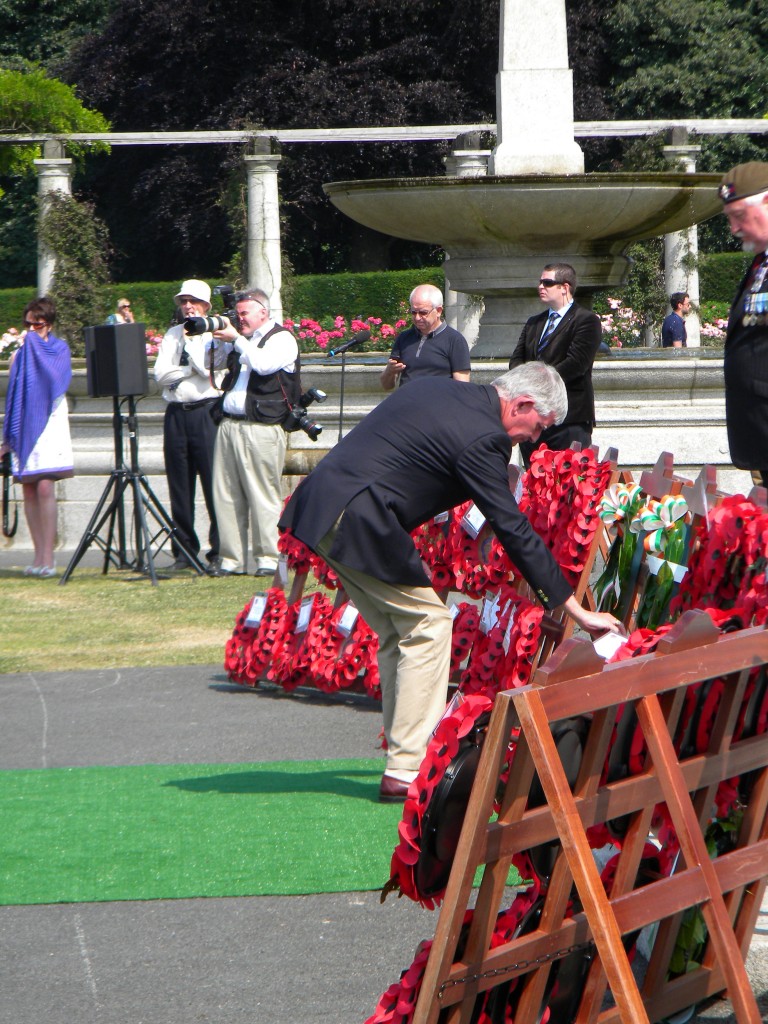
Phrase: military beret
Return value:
(743, 181)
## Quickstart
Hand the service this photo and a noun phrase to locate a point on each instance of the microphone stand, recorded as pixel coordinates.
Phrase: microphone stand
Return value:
(342, 351)
(341, 392)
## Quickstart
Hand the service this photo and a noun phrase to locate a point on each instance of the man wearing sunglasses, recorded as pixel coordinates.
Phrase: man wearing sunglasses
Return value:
(565, 336)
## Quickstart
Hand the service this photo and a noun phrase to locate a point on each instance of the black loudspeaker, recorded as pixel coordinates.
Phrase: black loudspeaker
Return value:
(116, 360)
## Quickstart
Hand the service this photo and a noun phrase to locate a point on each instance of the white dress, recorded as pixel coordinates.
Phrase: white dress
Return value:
(51, 458)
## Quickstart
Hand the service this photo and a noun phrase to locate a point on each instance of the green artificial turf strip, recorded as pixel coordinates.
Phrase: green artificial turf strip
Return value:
(73, 835)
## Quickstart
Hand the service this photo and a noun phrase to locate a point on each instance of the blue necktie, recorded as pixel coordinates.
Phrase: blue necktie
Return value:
(547, 332)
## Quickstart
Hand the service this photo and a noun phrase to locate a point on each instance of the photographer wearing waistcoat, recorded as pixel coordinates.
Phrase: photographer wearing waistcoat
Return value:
(260, 388)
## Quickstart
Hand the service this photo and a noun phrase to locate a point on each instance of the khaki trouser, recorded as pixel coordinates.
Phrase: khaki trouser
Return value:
(248, 486)
(414, 629)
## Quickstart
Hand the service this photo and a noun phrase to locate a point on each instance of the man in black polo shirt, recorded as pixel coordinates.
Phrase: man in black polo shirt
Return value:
(430, 348)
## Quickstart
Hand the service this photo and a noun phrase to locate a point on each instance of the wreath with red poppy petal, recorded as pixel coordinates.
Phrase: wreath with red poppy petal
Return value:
(397, 1004)
(291, 663)
(250, 649)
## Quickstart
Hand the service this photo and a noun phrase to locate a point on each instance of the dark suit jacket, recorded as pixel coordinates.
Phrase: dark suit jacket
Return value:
(423, 450)
(745, 366)
(571, 350)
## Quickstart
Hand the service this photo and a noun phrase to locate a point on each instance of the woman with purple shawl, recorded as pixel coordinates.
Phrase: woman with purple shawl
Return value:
(36, 427)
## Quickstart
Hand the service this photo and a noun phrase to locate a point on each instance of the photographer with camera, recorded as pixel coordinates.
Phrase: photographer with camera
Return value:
(262, 394)
(190, 387)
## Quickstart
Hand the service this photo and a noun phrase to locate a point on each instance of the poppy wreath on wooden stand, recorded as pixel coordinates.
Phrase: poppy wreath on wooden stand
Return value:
(291, 663)
(728, 560)
(431, 541)
(465, 626)
(250, 649)
(338, 660)
(502, 658)
(458, 723)
(298, 556)
(397, 1004)
(561, 498)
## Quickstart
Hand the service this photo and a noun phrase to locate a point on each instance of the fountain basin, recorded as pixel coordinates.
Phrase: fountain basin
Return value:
(498, 232)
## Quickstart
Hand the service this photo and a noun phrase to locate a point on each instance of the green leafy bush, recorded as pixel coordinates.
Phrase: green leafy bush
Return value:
(720, 274)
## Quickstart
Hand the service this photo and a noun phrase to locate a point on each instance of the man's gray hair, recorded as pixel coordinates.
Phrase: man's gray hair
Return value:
(540, 382)
(431, 292)
(255, 295)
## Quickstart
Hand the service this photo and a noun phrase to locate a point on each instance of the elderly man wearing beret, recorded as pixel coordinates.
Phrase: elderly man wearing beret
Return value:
(744, 193)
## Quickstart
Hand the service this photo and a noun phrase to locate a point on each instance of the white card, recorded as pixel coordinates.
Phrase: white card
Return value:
(347, 619)
(305, 613)
(606, 645)
(473, 521)
(256, 611)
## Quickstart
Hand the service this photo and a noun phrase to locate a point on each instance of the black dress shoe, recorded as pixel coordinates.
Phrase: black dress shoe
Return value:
(265, 572)
(182, 562)
(392, 790)
(224, 572)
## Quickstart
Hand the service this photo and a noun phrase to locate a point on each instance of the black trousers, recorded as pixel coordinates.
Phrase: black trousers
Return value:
(558, 438)
(189, 436)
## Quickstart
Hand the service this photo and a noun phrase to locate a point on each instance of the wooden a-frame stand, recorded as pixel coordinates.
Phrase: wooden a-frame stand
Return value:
(728, 890)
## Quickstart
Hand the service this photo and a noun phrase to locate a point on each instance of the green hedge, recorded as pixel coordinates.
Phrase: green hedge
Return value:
(720, 274)
(383, 294)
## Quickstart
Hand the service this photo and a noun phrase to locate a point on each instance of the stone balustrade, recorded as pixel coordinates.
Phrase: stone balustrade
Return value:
(648, 401)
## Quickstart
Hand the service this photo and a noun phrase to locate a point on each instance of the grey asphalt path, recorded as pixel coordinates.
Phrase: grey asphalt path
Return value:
(321, 959)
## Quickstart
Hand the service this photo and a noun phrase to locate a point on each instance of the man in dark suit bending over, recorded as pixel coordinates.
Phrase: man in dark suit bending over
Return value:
(429, 447)
(565, 336)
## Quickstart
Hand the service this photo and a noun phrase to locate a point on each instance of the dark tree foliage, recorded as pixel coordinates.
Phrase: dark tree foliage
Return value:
(192, 65)
(44, 31)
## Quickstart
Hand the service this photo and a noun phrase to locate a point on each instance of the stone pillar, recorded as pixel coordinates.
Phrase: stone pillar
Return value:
(681, 248)
(54, 174)
(263, 256)
(534, 93)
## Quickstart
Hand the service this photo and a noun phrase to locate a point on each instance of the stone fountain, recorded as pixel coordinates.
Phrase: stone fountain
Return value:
(535, 204)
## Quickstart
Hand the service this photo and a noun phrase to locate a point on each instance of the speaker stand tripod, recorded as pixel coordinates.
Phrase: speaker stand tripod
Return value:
(145, 502)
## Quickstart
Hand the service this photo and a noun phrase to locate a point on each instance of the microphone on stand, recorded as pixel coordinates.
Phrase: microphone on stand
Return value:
(358, 339)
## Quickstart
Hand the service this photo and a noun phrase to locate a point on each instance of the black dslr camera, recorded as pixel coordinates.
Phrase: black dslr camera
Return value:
(200, 324)
(298, 418)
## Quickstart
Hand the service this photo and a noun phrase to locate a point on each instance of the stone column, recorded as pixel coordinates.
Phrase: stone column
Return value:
(263, 256)
(681, 248)
(534, 93)
(54, 174)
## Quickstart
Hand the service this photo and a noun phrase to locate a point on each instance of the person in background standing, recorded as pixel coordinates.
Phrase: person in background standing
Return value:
(429, 348)
(36, 427)
(565, 336)
(260, 388)
(190, 388)
(123, 313)
(673, 332)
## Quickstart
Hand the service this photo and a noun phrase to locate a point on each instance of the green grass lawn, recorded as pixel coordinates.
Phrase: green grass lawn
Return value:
(119, 619)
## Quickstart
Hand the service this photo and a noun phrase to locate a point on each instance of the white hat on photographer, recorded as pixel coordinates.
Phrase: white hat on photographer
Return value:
(198, 290)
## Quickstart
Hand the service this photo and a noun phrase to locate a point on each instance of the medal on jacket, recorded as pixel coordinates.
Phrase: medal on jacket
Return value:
(756, 300)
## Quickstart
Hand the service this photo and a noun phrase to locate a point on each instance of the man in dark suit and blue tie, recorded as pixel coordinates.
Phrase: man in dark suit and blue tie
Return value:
(565, 336)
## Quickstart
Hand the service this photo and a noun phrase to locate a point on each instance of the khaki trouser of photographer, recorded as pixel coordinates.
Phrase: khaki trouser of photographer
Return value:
(248, 488)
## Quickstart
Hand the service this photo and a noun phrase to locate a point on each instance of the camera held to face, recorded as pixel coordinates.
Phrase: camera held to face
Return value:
(298, 418)
(194, 325)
